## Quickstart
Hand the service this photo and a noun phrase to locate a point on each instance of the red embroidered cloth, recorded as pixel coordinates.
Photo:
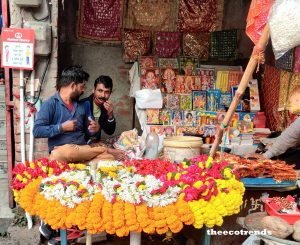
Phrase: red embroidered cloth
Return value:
(296, 67)
(167, 44)
(270, 92)
(135, 43)
(100, 20)
(197, 15)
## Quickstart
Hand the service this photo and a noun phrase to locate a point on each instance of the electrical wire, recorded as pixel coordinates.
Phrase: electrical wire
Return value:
(48, 60)
(48, 16)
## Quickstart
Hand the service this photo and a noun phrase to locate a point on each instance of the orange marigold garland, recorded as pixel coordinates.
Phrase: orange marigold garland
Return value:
(94, 220)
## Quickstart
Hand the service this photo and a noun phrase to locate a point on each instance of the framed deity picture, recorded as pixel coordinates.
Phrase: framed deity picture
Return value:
(150, 78)
(199, 100)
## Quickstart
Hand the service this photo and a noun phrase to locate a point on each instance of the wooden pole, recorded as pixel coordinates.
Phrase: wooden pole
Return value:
(262, 43)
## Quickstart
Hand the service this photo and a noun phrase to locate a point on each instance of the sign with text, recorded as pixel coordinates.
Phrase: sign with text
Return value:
(18, 48)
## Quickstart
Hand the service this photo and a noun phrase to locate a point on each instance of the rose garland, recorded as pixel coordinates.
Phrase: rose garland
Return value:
(206, 192)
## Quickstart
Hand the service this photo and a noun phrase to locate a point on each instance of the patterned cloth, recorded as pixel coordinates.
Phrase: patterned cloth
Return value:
(285, 62)
(151, 15)
(284, 84)
(270, 92)
(200, 15)
(257, 18)
(296, 67)
(167, 44)
(224, 44)
(196, 45)
(100, 20)
(135, 43)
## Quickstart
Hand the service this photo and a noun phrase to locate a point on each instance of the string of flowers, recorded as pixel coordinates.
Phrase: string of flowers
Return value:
(124, 197)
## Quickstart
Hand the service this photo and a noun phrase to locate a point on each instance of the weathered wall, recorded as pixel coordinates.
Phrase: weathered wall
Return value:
(17, 16)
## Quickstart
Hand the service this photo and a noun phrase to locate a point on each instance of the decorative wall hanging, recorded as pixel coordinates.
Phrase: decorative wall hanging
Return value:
(135, 43)
(200, 15)
(224, 44)
(167, 44)
(296, 67)
(196, 44)
(152, 15)
(100, 20)
(270, 91)
(285, 62)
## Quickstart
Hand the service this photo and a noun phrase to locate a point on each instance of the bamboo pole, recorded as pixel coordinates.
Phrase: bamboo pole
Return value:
(262, 43)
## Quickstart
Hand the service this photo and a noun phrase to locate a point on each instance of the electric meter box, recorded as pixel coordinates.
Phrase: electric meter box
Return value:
(28, 3)
(42, 36)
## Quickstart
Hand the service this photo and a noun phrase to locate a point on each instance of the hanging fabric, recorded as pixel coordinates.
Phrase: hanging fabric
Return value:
(100, 20)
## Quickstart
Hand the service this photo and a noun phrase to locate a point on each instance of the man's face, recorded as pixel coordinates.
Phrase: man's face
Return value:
(102, 93)
(78, 90)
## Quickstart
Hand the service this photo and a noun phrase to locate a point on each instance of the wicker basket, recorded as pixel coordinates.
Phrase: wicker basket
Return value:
(177, 148)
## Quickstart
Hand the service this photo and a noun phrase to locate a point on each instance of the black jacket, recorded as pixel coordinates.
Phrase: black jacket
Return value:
(108, 126)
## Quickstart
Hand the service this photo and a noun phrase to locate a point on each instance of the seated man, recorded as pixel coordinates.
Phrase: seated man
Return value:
(63, 120)
(100, 108)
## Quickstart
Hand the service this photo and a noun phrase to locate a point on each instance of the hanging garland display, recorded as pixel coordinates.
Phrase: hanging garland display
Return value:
(136, 195)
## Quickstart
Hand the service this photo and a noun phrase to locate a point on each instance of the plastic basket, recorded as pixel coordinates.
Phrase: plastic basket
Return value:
(271, 208)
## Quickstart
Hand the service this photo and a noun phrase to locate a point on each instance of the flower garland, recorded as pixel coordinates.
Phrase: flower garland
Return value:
(123, 197)
(25, 173)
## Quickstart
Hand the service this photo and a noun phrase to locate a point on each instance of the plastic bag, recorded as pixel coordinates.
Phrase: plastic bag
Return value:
(284, 25)
(147, 98)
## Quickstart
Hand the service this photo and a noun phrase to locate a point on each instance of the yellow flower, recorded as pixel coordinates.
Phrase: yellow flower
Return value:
(177, 176)
(31, 164)
(19, 177)
(169, 176)
(198, 184)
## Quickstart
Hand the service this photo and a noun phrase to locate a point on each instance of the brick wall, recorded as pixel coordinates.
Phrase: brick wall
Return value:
(48, 88)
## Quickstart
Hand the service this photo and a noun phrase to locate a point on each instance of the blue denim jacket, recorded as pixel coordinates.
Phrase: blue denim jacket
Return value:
(48, 122)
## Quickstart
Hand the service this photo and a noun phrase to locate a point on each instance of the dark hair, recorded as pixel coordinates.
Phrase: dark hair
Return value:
(105, 80)
(73, 74)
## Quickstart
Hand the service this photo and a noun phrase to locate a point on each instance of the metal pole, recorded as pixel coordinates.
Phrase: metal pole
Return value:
(22, 116)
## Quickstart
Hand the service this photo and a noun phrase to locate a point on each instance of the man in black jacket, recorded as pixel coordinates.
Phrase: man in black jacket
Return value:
(100, 109)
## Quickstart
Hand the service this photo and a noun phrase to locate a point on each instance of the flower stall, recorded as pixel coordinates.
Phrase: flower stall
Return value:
(151, 196)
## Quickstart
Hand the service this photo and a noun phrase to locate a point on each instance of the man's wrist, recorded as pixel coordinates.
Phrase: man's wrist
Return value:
(111, 118)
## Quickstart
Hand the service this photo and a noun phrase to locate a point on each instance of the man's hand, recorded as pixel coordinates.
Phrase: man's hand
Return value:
(69, 126)
(94, 126)
(109, 108)
(255, 156)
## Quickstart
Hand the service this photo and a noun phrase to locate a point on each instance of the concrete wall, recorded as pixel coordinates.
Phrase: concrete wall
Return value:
(18, 15)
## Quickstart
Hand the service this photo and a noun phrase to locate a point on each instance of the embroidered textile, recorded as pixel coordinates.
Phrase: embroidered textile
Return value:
(284, 84)
(196, 44)
(135, 43)
(285, 62)
(296, 67)
(200, 15)
(270, 91)
(154, 15)
(223, 44)
(100, 20)
(167, 44)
